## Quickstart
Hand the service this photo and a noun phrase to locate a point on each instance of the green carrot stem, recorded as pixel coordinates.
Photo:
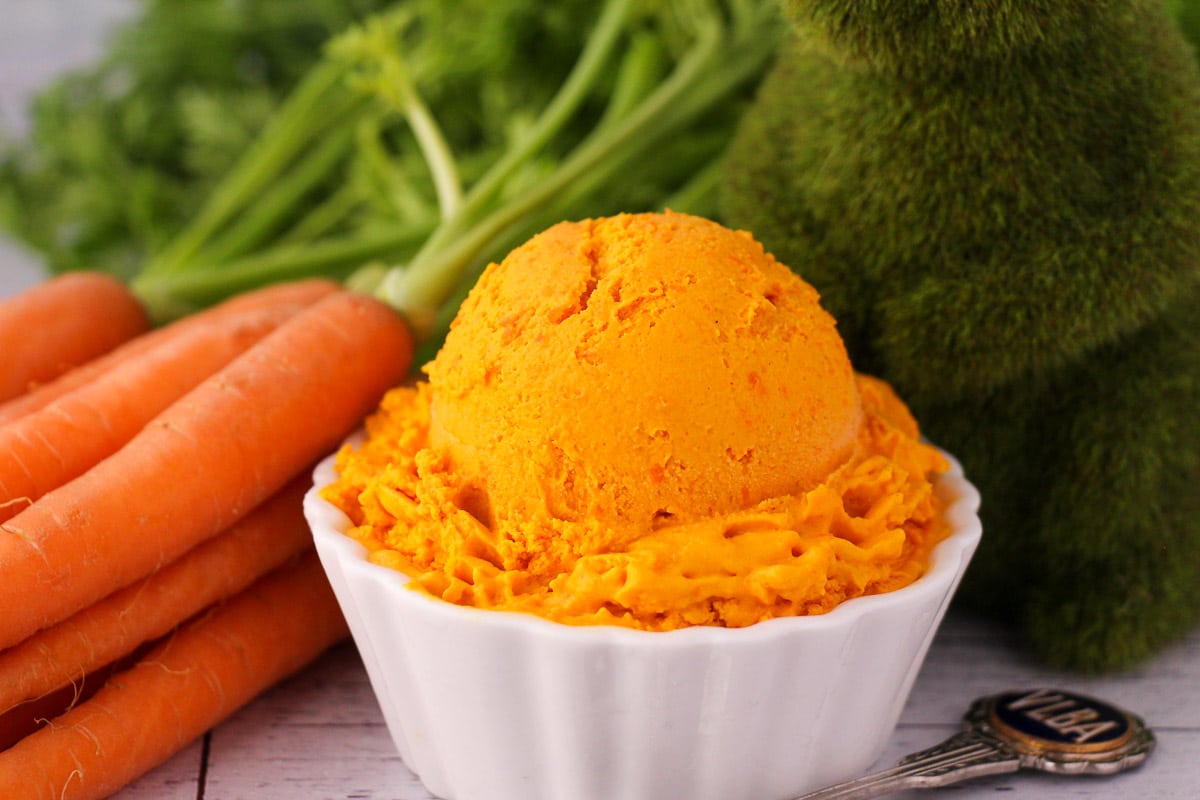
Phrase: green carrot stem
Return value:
(640, 70)
(424, 285)
(710, 68)
(592, 64)
(171, 295)
(267, 215)
(426, 282)
(319, 221)
(318, 103)
(384, 183)
(441, 162)
(374, 44)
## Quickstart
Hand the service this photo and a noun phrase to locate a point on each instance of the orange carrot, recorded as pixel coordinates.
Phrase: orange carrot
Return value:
(192, 681)
(62, 323)
(60, 442)
(298, 294)
(22, 720)
(117, 625)
(203, 463)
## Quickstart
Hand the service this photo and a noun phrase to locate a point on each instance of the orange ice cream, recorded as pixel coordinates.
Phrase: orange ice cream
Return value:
(644, 420)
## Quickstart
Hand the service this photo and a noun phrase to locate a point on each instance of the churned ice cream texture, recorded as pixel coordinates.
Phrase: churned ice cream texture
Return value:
(644, 420)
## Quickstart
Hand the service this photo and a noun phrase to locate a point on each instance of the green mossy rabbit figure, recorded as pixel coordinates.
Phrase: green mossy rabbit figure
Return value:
(1000, 202)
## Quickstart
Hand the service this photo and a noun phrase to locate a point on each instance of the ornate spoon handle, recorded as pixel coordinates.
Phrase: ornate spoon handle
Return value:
(1044, 729)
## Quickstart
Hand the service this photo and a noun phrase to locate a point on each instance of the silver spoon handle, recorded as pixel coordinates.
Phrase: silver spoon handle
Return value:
(963, 756)
(1045, 729)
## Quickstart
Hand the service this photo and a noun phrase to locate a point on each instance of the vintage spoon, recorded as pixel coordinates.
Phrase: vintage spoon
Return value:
(1044, 729)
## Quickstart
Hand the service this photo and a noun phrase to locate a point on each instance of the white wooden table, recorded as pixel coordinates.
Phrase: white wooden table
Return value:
(320, 736)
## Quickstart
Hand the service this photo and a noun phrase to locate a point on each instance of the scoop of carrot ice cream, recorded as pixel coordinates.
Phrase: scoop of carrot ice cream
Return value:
(637, 370)
(644, 420)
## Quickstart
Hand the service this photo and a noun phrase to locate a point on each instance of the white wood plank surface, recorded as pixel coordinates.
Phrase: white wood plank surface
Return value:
(320, 736)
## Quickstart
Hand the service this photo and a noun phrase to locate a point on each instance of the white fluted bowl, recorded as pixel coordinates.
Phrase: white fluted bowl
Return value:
(492, 705)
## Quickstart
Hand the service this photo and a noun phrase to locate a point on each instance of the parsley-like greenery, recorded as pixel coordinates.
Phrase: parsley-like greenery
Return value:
(222, 146)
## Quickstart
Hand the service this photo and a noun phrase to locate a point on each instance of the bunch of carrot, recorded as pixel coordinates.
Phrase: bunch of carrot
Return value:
(156, 571)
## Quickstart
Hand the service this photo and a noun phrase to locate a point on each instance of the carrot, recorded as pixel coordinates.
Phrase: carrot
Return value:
(117, 625)
(22, 720)
(203, 463)
(60, 442)
(192, 681)
(297, 294)
(62, 323)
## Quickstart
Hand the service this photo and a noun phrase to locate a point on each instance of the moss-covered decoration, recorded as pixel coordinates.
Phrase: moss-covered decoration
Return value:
(1000, 202)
